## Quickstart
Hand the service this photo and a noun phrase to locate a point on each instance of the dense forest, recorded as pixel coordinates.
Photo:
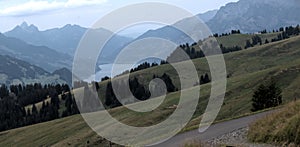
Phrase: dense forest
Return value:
(15, 99)
(137, 89)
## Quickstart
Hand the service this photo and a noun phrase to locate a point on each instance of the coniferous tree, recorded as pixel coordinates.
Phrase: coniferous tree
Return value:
(204, 79)
(34, 114)
(256, 40)
(274, 94)
(138, 90)
(168, 81)
(3, 91)
(266, 96)
(110, 97)
(248, 44)
(267, 41)
(259, 98)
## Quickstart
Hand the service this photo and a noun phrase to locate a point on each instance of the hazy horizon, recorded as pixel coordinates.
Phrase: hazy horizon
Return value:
(56, 14)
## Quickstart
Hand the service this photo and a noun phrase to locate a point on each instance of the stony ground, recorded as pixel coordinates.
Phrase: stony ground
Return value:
(236, 138)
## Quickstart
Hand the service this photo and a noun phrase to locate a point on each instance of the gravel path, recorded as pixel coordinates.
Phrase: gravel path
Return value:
(235, 138)
(232, 131)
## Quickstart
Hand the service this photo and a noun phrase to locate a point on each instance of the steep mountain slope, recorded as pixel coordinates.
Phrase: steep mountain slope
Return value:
(255, 15)
(175, 35)
(207, 16)
(65, 39)
(14, 71)
(249, 16)
(41, 56)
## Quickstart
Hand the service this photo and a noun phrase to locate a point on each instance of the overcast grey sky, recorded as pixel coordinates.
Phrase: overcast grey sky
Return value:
(56, 13)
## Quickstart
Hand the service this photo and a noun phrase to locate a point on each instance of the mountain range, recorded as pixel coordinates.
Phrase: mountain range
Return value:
(41, 56)
(14, 71)
(65, 39)
(255, 15)
(171, 33)
(248, 16)
(53, 50)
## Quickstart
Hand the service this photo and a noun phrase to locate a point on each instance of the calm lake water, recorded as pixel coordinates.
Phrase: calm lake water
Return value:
(110, 70)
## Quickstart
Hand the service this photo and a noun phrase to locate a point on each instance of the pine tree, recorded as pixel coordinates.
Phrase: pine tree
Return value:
(204, 79)
(168, 81)
(3, 91)
(274, 94)
(111, 100)
(267, 41)
(259, 98)
(266, 96)
(248, 44)
(34, 114)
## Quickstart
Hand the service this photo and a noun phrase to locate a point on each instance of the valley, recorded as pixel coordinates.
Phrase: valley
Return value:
(47, 98)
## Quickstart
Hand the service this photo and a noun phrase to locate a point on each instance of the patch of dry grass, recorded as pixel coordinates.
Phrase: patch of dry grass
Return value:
(280, 128)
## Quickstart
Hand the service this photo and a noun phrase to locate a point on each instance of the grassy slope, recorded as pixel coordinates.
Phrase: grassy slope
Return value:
(201, 64)
(227, 41)
(281, 128)
(247, 69)
(240, 39)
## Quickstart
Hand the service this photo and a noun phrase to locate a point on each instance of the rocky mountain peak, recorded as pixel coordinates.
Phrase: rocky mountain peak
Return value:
(30, 28)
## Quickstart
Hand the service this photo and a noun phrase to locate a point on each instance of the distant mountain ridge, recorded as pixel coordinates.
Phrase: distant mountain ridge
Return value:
(248, 16)
(40, 56)
(64, 74)
(67, 38)
(207, 16)
(171, 33)
(64, 40)
(251, 16)
(15, 71)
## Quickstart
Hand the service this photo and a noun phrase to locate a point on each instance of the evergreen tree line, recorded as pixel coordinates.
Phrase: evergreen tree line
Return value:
(13, 101)
(287, 33)
(255, 41)
(204, 79)
(229, 49)
(33, 93)
(191, 52)
(142, 66)
(227, 34)
(105, 78)
(137, 89)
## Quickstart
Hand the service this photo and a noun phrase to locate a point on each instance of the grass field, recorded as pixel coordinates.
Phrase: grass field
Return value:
(281, 128)
(246, 69)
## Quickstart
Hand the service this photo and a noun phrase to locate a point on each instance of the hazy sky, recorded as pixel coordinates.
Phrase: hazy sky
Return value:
(56, 13)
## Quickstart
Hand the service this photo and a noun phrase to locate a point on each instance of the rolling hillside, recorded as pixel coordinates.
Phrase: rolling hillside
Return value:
(246, 70)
